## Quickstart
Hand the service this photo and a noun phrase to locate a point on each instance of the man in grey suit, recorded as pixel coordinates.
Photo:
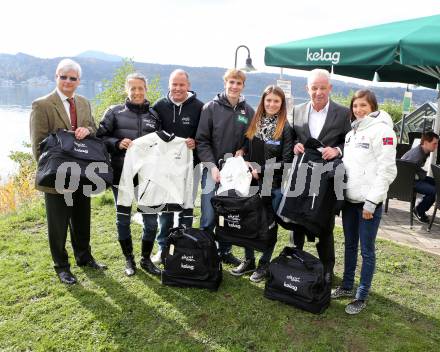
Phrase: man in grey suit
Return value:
(329, 122)
(63, 109)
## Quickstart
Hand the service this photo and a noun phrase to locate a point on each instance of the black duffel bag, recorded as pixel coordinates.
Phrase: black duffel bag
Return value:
(191, 260)
(73, 161)
(244, 221)
(297, 278)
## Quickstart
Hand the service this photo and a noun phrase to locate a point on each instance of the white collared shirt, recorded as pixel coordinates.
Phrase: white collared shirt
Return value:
(317, 119)
(65, 102)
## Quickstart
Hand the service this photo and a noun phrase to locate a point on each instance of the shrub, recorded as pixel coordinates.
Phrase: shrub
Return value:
(20, 187)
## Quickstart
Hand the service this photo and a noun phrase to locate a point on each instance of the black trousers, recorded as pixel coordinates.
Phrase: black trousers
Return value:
(325, 246)
(60, 217)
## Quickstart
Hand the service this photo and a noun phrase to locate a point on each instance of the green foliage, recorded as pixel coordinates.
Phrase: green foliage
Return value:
(343, 99)
(392, 107)
(114, 90)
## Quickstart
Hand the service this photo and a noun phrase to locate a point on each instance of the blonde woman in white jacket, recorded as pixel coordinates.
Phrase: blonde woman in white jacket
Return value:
(370, 162)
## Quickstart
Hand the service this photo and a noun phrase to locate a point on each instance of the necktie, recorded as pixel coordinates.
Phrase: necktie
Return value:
(72, 110)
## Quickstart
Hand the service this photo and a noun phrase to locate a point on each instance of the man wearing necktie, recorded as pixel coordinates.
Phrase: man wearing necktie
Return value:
(66, 110)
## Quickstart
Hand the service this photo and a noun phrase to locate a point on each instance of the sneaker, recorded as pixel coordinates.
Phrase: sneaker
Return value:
(355, 307)
(157, 258)
(339, 292)
(421, 217)
(228, 258)
(259, 274)
(246, 266)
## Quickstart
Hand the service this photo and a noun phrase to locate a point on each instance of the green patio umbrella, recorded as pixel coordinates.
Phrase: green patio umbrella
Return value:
(405, 51)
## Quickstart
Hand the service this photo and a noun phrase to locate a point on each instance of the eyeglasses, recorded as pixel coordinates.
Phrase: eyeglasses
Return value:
(71, 79)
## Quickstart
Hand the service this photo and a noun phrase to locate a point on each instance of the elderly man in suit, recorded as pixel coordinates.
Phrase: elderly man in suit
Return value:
(63, 109)
(329, 122)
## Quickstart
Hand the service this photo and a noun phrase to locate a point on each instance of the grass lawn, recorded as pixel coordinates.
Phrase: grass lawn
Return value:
(111, 312)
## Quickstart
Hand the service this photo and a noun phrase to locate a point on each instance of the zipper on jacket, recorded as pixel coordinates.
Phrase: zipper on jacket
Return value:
(313, 200)
(139, 125)
(145, 189)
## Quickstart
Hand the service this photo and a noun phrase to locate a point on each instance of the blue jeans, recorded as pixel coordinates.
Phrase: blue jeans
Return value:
(267, 254)
(356, 228)
(166, 222)
(427, 188)
(207, 217)
(276, 198)
(123, 218)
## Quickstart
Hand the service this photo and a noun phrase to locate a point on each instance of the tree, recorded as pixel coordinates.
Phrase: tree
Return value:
(114, 90)
(392, 107)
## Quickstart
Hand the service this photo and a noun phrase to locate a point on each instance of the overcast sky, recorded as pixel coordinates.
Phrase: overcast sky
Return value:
(187, 32)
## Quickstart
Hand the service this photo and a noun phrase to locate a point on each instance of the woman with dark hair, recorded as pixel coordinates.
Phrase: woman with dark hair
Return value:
(370, 163)
(269, 144)
(120, 125)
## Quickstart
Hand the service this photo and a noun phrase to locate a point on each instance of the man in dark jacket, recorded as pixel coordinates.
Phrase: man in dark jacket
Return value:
(424, 184)
(223, 123)
(322, 119)
(179, 113)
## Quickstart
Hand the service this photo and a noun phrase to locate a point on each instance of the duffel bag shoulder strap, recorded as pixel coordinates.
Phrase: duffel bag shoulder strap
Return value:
(179, 232)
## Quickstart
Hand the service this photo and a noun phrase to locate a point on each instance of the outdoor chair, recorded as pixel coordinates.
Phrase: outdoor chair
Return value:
(436, 175)
(401, 149)
(402, 187)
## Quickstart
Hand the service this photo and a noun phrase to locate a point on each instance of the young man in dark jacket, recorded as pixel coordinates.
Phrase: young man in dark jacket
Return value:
(223, 123)
(179, 113)
(424, 184)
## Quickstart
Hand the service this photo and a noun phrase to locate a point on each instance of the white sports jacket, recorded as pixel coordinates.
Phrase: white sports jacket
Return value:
(164, 166)
(370, 159)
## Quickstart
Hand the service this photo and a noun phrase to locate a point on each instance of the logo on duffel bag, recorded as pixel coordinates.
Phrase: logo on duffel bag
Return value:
(289, 284)
(234, 221)
(187, 258)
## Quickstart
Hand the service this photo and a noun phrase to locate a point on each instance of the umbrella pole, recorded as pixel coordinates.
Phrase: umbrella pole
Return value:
(433, 159)
(402, 126)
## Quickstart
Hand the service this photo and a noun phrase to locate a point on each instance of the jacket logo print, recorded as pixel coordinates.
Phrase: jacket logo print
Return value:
(186, 120)
(242, 119)
(362, 145)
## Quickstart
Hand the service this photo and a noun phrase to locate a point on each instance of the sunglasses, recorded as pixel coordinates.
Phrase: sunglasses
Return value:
(71, 79)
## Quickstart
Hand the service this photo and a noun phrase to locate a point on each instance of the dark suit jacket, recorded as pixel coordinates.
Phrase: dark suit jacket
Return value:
(337, 125)
(48, 115)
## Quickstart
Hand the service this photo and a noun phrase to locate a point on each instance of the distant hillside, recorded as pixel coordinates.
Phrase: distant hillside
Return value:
(100, 56)
(206, 81)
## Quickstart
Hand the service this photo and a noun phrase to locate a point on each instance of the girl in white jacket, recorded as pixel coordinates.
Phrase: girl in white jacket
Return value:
(370, 162)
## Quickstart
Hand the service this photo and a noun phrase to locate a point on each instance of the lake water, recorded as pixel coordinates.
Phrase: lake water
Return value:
(15, 108)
